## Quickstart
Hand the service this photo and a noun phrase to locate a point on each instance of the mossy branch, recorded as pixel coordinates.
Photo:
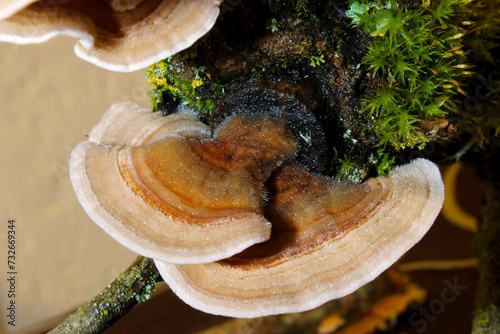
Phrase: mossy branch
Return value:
(487, 244)
(132, 286)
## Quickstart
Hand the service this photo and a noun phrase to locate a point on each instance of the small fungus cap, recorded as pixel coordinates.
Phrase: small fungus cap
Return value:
(167, 189)
(329, 238)
(119, 35)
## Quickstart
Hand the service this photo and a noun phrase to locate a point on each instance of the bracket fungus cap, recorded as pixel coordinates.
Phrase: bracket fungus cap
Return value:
(329, 238)
(164, 187)
(121, 36)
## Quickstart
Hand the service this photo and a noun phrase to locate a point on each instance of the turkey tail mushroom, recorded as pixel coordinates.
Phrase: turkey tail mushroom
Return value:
(166, 189)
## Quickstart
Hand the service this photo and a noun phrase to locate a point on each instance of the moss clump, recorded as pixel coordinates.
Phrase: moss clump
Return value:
(356, 171)
(416, 54)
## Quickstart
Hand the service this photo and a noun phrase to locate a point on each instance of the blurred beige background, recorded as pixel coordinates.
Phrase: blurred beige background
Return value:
(49, 100)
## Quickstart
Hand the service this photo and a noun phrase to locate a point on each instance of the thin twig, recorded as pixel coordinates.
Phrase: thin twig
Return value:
(487, 246)
(451, 264)
(134, 285)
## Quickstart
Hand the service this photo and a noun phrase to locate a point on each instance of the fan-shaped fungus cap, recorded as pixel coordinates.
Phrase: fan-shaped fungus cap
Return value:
(118, 35)
(166, 189)
(328, 239)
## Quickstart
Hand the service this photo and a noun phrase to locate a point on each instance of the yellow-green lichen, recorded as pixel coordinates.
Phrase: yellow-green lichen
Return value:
(170, 80)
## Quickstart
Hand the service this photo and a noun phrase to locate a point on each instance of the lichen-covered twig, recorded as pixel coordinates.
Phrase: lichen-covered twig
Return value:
(487, 244)
(134, 285)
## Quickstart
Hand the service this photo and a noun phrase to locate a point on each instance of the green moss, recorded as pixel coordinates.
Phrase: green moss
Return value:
(356, 169)
(416, 54)
(300, 4)
(352, 171)
(292, 6)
